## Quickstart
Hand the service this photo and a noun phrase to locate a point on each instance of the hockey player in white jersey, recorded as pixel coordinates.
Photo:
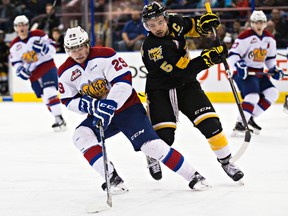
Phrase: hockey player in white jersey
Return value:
(285, 105)
(98, 82)
(31, 55)
(254, 49)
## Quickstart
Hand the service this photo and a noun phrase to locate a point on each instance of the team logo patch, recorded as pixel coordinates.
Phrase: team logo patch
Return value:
(18, 47)
(258, 55)
(97, 89)
(235, 45)
(254, 40)
(155, 53)
(30, 56)
(75, 74)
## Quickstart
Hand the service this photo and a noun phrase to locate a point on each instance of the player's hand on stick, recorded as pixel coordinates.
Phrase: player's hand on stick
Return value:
(101, 109)
(23, 73)
(214, 55)
(242, 69)
(104, 112)
(41, 48)
(276, 73)
(206, 22)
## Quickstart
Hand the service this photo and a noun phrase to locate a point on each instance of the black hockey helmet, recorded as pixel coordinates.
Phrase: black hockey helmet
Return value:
(153, 10)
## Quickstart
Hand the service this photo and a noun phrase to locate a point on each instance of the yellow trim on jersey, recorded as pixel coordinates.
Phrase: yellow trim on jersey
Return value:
(193, 32)
(183, 62)
(164, 125)
(205, 116)
(218, 141)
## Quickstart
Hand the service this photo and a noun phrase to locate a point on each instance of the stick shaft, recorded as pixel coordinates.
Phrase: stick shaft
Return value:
(105, 161)
(234, 91)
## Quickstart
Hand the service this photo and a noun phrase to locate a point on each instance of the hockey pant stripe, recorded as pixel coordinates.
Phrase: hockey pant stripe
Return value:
(201, 118)
(164, 125)
(93, 154)
(218, 141)
(173, 160)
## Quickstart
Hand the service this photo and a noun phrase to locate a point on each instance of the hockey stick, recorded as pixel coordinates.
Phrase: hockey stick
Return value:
(45, 28)
(251, 73)
(280, 54)
(247, 137)
(95, 208)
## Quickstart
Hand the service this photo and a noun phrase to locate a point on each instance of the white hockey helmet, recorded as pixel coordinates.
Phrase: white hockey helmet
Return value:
(20, 19)
(258, 15)
(75, 37)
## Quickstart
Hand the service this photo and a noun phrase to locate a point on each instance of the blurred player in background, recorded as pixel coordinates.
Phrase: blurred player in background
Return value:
(285, 105)
(31, 55)
(252, 50)
(4, 54)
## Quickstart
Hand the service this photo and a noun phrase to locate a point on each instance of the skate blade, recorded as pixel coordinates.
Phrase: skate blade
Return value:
(256, 131)
(238, 133)
(119, 189)
(60, 128)
(241, 182)
(201, 186)
(285, 110)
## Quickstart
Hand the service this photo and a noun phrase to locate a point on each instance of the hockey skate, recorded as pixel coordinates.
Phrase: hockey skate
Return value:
(198, 183)
(116, 184)
(233, 171)
(256, 128)
(60, 124)
(154, 168)
(239, 130)
(285, 105)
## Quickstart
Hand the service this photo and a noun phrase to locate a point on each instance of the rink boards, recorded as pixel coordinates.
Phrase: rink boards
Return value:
(213, 80)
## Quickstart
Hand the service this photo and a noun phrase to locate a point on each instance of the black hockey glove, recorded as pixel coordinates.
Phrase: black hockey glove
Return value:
(214, 55)
(205, 23)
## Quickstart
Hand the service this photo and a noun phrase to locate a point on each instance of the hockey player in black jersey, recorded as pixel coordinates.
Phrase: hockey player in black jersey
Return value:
(171, 84)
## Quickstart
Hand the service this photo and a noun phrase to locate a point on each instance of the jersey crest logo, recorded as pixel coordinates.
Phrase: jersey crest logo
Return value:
(30, 56)
(258, 55)
(75, 74)
(155, 53)
(98, 88)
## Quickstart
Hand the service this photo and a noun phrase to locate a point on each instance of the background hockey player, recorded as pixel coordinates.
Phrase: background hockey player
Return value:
(285, 105)
(252, 50)
(98, 81)
(171, 84)
(31, 54)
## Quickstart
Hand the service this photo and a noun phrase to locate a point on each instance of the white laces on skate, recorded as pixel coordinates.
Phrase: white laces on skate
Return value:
(230, 169)
(154, 165)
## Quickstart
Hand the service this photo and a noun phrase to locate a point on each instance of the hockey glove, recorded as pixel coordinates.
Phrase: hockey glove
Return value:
(206, 22)
(242, 69)
(104, 112)
(23, 73)
(101, 109)
(87, 104)
(41, 48)
(276, 73)
(214, 55)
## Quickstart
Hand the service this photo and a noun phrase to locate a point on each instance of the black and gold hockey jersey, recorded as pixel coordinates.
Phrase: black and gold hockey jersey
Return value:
(167, 59)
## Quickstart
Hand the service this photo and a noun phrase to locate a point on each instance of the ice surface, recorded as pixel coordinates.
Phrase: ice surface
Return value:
(43, 174)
